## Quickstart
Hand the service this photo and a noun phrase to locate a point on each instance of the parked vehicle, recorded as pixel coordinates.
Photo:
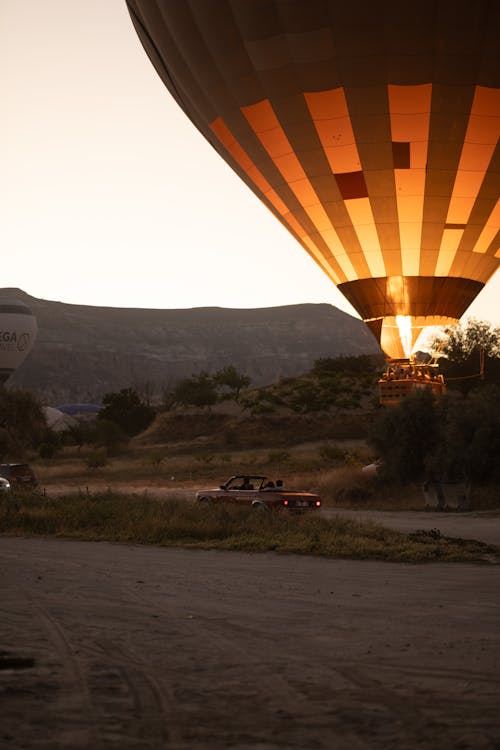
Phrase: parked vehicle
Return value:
(4, 485)
(258, 492)
(20, 476)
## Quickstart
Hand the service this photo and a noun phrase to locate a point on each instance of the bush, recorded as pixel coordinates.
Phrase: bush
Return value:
(109, 435)
(362, 365)
(455, 439)
(47, 450)
(126, 410)
(279, 457)
(332, 453)
(97, 459)
(22, 421)
(469, 444)
(199, 391)
(405, 435)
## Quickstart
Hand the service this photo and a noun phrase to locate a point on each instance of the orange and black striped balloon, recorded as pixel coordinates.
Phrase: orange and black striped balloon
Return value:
(370, 129)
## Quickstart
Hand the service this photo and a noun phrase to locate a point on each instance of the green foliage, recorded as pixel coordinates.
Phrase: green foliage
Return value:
(363, 365)
(126, 410)
(98, 432)
(198, 390)
(332, 453)
(306, 397)
(349, 401)
(205, 458)
(279, 457)
(80, 433)
(404, 435)
(204, 390)
(109, 435)
(157, 457)
(22, 422)
(97, 459)
(469, 355)
(48, 450)
(454, 439)
(51, 444)
(340, 383)
(469, 439)
(261, 401)
(230, 378)
(458, 342)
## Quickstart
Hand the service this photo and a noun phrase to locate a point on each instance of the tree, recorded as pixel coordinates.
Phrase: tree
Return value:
(453, 439)
(126, 409)
(469, 438)
(198, 390)
(230, 378)
(458, 342)
(404, 436)
(362, 365)
(22, 422)
(469, 354)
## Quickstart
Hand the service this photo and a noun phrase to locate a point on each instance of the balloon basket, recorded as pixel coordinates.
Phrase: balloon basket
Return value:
(402, 377)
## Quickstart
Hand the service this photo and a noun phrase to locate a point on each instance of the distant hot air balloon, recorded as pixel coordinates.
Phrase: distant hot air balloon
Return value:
(370, 129)
(17, 334)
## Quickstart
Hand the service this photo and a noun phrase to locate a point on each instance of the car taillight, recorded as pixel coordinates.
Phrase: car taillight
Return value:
(285, 502)
(318, 503)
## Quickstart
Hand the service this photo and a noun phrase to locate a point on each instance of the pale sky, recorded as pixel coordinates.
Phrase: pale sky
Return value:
(111, 197)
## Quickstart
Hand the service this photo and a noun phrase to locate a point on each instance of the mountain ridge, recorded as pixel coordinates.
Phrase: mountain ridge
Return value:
(84, 351)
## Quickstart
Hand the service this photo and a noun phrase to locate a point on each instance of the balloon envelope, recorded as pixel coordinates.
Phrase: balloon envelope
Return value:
(18, 329)
(369, 129)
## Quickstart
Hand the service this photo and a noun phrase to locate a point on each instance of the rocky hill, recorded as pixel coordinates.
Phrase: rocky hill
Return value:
(82, 352)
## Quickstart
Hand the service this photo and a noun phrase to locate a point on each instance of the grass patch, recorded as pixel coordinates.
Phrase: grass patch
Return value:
(136, 519)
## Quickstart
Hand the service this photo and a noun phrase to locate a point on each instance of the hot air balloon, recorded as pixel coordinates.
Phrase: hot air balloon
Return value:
(17, 334)
(370, 130)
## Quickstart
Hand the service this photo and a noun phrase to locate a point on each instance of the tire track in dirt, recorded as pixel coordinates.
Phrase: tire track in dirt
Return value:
(207, 651)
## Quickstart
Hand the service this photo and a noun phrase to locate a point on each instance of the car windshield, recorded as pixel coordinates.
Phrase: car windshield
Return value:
(15, 468)
(247, 482)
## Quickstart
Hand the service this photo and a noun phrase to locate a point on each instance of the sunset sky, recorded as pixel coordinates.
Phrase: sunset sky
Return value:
(111, 196)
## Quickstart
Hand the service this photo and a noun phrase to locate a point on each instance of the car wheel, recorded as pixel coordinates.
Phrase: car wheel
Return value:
(205, 501)
(260, 506)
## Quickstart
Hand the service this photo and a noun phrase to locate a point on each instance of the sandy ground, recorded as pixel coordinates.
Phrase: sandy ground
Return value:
(143, 647)
(482, 526)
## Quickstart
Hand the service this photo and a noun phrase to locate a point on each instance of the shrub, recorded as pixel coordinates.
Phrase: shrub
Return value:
(454, 439)
(332, 453)
(469, 443)
(47, 450)
(405, 435)
(22, 421)
(97, 459)
(126, 409)
(234, 381)
(198, 390)
(278, 457)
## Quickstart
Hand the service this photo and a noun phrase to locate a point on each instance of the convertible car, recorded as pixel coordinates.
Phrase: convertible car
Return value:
(259, 493)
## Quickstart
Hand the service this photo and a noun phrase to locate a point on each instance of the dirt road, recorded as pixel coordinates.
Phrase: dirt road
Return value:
(142, 647)
(482, 526)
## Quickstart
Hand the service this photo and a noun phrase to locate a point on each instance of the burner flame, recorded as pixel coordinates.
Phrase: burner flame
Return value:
(405, 333)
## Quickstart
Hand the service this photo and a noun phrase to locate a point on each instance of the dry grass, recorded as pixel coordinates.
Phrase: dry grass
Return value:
(138, 519)
(333, 470)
